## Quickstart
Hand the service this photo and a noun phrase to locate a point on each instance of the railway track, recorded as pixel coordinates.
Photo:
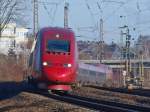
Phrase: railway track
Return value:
(94, 104)
(139, 92)
(90, 103)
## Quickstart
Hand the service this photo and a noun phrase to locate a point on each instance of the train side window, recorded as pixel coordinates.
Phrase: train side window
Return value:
(83, 71)
(93, 73)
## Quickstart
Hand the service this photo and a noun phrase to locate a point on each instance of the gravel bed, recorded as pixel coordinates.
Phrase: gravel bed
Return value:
(28, 102)
(112, 96)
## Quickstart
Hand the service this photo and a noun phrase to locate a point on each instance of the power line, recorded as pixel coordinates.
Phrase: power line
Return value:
(120, 6)
(89, 29)
(138, 6)
(54, 14)
(99, 7)
(49, 14)
(141, 11)
(113, 1)
(90, 11)
(48, 3)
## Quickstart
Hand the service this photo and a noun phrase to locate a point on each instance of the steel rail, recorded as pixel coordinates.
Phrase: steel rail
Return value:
(95, 104)
(129, 107)
(138, 92)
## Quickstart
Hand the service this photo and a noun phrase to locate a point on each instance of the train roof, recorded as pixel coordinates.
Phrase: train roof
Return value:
(58, 29)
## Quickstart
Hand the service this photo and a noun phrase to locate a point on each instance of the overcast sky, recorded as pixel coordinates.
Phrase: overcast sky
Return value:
(84, 16)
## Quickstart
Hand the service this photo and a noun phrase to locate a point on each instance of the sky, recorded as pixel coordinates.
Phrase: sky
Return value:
(84, 17)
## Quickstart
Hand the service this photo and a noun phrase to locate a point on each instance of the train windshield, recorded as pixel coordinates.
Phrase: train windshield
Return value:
(58, 46)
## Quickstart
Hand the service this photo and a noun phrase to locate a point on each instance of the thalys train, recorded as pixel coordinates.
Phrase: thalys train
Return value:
(53, 59)
(99, 75)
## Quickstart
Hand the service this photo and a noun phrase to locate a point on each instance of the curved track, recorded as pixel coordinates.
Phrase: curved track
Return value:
(94, 104)
(139, 92)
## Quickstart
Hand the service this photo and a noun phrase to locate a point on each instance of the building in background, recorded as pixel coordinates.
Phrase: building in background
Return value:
(13, 37)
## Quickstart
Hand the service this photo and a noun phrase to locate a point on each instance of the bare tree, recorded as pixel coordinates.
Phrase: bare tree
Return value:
(10, 10)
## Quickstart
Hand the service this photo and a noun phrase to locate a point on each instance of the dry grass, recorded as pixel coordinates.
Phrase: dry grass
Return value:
(28, 102)
(11, 69)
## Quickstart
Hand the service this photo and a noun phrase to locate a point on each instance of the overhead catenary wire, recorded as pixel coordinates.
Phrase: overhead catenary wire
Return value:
(122, 5)
(54, 14)
(113, 1)
(99, 7)
(108, 1)
(90, 11)
(116, 10)
(99, 3)
(91, 29)
(52, 11)
(139, 11)
(49, 13)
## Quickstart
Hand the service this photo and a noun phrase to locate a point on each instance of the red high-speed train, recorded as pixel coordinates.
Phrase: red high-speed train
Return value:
(53, 59)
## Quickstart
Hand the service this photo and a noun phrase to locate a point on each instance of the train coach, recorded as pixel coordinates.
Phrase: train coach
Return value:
(100, 75)
(53, 59)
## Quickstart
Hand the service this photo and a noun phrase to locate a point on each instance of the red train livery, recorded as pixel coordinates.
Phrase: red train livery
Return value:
(53, 59)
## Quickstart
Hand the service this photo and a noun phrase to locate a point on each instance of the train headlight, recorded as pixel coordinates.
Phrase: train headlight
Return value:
(68, 65)
(57, 35)
(45, 63)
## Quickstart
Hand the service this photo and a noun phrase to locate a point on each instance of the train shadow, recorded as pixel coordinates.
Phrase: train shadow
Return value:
(11, 89)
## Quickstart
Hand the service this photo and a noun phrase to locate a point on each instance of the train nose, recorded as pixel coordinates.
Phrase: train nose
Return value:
(67, 65)
(64, 65)
(59, 74)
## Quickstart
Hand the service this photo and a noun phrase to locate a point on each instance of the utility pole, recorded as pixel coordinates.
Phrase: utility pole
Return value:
(35, 17)
(101, 41)
(128, 64)
(142, 70)
(127, 72)
(122, 56)
(122, 72)
(140, 63)
(66, 15)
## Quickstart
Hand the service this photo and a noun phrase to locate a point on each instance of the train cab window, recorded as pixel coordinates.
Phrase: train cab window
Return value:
(58, 46)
